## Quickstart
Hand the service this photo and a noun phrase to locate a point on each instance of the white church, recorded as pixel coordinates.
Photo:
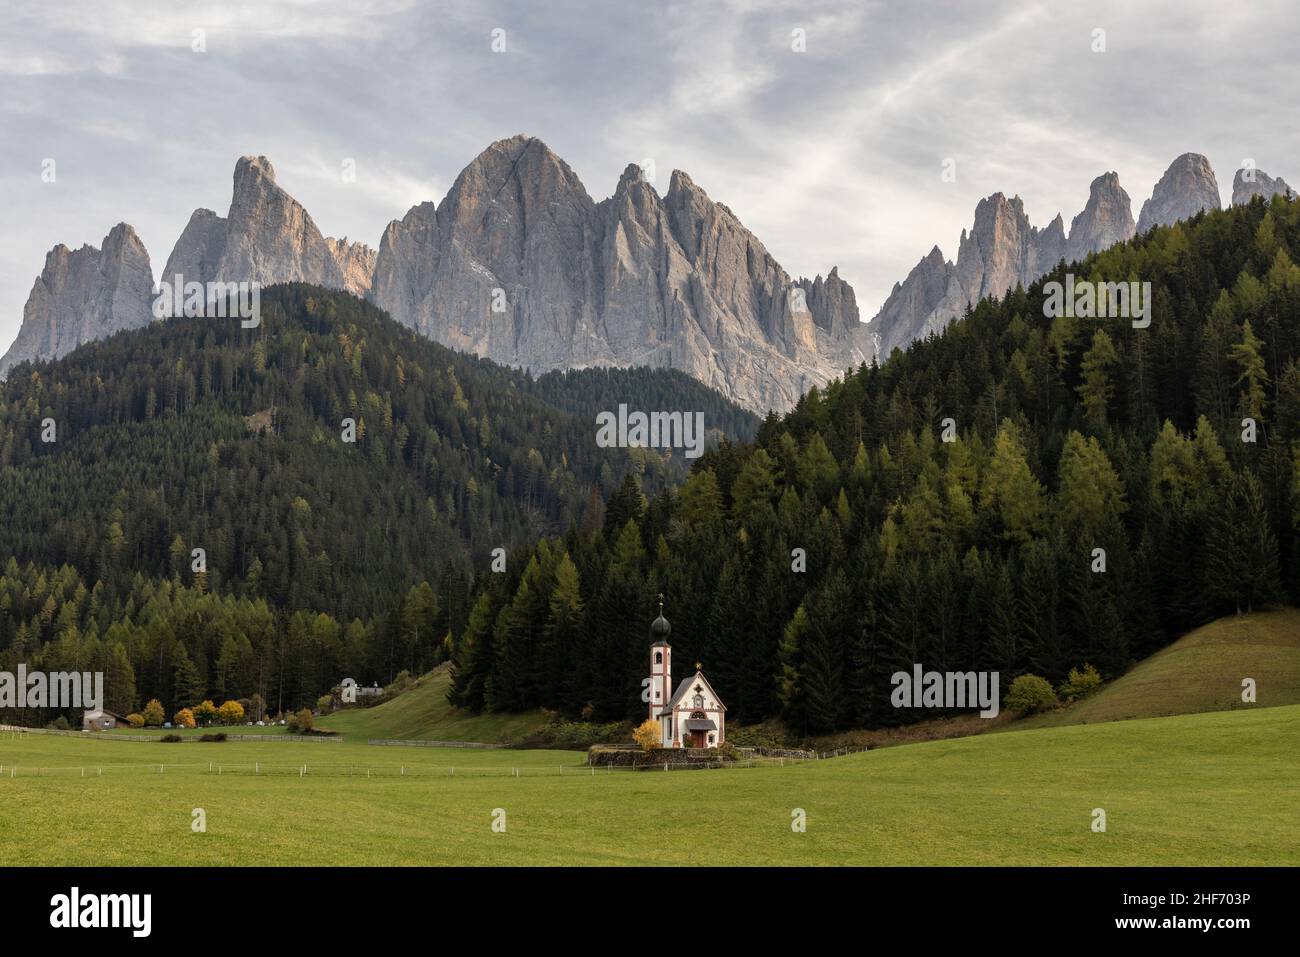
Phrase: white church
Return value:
(694, 717)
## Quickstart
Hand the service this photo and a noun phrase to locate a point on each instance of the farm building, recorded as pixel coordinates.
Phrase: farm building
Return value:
(694, 716)
(350, 691)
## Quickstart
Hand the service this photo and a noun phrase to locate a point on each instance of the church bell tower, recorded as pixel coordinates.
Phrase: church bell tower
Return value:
(661, 663)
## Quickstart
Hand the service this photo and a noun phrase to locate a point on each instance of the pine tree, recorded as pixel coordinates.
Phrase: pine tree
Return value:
(1098, 388)
(119, 681)
(1241, 569)
(1253, 377)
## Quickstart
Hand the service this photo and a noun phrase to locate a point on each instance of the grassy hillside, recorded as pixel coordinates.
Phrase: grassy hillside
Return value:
(423, 713)
(1202, 671)
(1197, 790)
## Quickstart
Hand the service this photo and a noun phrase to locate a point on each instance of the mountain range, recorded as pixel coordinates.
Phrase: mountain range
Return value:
(520, 265)
(1003, 250)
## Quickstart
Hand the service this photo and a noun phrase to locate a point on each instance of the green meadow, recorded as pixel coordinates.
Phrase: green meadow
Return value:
(1204, 789)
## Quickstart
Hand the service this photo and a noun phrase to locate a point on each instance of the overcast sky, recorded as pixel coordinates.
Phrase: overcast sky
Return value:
(832, 156)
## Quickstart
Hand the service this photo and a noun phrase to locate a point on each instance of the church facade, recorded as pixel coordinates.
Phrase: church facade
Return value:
(692, 716)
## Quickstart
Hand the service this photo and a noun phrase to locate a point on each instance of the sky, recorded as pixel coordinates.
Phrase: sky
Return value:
(825, 126)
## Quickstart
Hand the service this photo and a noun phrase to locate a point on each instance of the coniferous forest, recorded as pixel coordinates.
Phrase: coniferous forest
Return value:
(949, 507)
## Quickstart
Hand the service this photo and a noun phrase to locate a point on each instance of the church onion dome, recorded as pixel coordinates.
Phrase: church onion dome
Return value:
(659, 628)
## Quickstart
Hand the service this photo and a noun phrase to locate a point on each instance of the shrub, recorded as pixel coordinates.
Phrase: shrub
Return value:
(302, 721)
(215, 736)
(232, 712)
(59, 724)
(171, 738)
(401, 682)
(1030, 693)
(154, 715)
(1080, 682)
(325, 702)
(135, 720)
(183, 718)
(559, 733)
(646, 734)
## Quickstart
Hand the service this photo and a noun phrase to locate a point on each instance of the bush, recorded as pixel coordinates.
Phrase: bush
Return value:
(1080, 683)
(1030, 693)
(60, 724)
(769, 734)
(232, 712)
(171, 738)
(135, 720)
(183, 718)
(301, 722)
(647, 734)
(216, 736)
(559, 733)
(154, 715)
(325, 702)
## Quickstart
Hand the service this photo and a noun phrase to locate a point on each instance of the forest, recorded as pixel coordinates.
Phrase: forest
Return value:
(1018, 493)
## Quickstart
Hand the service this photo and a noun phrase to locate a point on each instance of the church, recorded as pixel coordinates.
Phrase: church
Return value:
(694, 717)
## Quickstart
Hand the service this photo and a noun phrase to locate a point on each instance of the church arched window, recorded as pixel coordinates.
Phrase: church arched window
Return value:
(659, 657)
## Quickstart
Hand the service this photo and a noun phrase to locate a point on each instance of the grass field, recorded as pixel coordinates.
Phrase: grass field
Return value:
(1217, 788)
(1202, 671)
(422, 713)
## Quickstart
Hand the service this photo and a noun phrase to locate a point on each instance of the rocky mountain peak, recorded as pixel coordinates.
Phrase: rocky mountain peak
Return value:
(266, 237)
(1186, 188)
(82, 295)
(1249, 183)
(1107, 219)
(637, 279)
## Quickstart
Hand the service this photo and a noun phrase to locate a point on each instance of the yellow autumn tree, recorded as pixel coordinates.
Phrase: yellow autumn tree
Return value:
(647, 735)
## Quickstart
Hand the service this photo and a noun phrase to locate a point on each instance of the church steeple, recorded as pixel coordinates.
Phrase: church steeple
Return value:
(661, 664)
(659, 628)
